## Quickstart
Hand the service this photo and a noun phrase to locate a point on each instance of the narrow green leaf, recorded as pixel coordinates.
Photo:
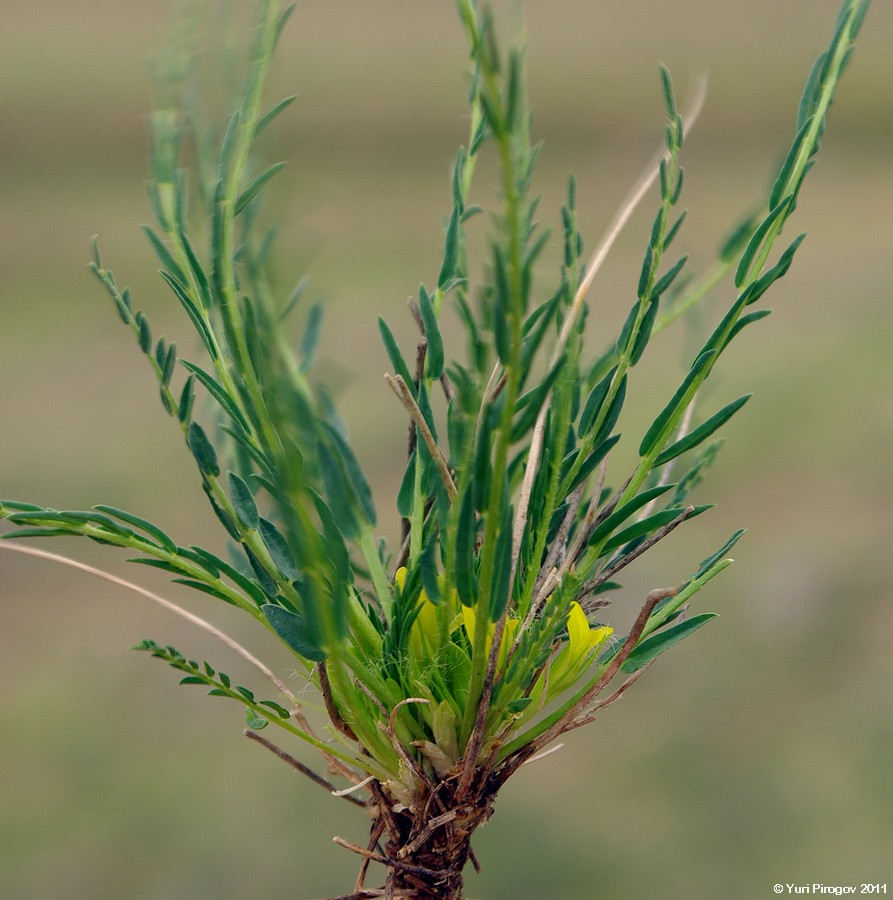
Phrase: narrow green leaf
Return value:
(254, 188)
(744, 321)
(278, 548)
(702, 432)
(658, 643)
(767, 279)
(271, 113)
(243, 501)
(355, 476)
(204, 588)
(428, 567)
(645, 328)
(164, 255)
(465, 541)
(394, 354)
(227, 403)
(668, 278)
(594, 458)
(145, 333)
(202, 450)
(451, 249)
(679, 400)
(292, 631)
(669, 95)
(434, 355)
(714, 558)
(198, 320)
(781, 186)
(187, 399)
(407, 487)
(594, 402)
(624, 512)
(779, 211)
(140, 524)
(310, 339)
(650, 524)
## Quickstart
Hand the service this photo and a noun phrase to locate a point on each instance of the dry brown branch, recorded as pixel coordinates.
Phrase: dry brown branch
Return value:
(401, 389)
(300, 767)
(389, 861)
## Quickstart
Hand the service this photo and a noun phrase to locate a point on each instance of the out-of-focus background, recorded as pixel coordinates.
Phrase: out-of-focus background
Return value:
(758, 753)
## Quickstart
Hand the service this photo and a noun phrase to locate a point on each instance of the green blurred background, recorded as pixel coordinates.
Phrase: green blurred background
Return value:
(758, 753)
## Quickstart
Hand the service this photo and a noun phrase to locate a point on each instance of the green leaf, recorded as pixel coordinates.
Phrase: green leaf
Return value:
(204, 588)
(702, 432)
(254, 721)
(278, 548)
(394, 354)
(292, 631)
(624, 512)
(428, 567)
(407, 488)
(243, 501)
(779, 211)
(714, 558)
(217, 391)
(254, 188)
(658, 643)
(272, 112)
(355, 476)
(767, 279)
(202, 450)
(451, 249)
(465, 541)
(680, 399)
(434, 354)
(594, 402)
(650, 524)
(164, 255)
(669, 96)
(140, 524)
(194, 313)
(310, 339)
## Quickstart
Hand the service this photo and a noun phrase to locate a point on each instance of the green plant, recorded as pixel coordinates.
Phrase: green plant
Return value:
(448, 662)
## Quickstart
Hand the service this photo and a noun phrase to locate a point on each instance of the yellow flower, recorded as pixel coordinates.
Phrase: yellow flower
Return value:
(583, 641)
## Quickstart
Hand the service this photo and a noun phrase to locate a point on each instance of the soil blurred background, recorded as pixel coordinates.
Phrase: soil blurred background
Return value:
(758, 753)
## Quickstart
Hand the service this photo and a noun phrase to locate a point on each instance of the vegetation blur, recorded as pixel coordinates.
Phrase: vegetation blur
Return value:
(762, 747)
